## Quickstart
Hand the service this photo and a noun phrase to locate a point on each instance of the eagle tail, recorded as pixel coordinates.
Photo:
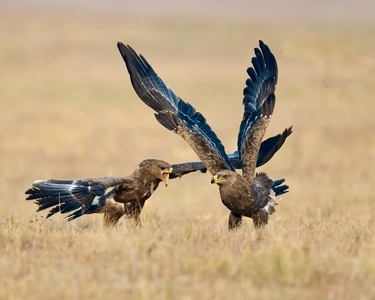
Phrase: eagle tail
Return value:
(279, 188)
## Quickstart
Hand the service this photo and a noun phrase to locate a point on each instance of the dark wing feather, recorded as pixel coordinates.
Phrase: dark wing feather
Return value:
(174, 113)
(253, 138)
(269, 147)
(146, 83)
(96, 206)
(260, 86)
(180, 170)
(259, 101)
(267, 150)
(69, 195)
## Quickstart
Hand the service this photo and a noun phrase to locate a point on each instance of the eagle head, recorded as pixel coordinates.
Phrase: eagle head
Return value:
(223, 177)
(155, 169)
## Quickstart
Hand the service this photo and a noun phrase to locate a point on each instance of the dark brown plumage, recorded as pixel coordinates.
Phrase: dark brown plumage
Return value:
(128, 195)
(87, 196)
(235, 192)
(252, 195)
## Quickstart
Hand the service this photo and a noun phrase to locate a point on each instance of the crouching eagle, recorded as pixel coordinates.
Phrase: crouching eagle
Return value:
(85, 196)
(250, 194)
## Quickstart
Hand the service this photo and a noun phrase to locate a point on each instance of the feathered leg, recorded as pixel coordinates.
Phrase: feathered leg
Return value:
(260, 219)
(113, 211)
(133, 211)
(234, 221)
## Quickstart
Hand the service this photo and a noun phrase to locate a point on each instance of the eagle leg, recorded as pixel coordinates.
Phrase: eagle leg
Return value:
(260, 219)
(235, 221)
(133, 211)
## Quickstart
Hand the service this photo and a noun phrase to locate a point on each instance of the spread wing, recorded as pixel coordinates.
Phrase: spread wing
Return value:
(259, 101)
(70, 195)
(267, 150)
(180, 170)
(174, 113)
(96, 206)
(270, 146)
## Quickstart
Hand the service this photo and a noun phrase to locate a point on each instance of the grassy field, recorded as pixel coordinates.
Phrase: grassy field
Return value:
(68, 111)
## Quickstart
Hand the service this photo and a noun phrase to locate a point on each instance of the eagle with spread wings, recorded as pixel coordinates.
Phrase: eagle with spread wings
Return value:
(85, 196)
(119, 196)
(128, 194)
(251, 194)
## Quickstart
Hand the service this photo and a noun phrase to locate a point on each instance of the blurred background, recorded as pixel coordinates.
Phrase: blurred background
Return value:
(335, 12)
(67, 108)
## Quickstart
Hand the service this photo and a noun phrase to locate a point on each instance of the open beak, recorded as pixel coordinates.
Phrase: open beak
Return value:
(165, 175)
(215, 179)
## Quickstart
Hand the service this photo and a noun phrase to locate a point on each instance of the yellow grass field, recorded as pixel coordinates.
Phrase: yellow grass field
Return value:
(67, 111)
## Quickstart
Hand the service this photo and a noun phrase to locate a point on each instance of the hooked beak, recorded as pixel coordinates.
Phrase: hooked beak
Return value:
(215, 179)
(165, 175)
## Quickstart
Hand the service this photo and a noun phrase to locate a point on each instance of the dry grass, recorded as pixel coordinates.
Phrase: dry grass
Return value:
(68, 111)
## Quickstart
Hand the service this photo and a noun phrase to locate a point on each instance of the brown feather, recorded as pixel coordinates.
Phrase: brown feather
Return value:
(243, 195)
(127, 197)
(140, 186)
(113, 211)
(254, 201)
